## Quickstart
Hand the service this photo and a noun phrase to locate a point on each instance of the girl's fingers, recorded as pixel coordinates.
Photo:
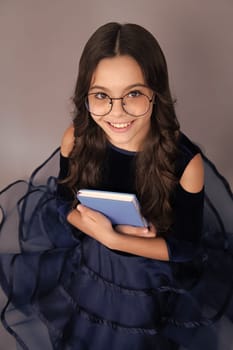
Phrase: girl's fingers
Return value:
(135, 231)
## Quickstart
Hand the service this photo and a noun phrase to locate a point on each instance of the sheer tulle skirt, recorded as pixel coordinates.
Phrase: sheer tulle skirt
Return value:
(67, 291)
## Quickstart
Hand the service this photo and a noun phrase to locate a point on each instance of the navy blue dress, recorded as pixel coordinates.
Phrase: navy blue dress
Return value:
(67, 291)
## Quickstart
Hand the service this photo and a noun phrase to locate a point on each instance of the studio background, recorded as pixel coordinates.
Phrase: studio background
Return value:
(40, 46)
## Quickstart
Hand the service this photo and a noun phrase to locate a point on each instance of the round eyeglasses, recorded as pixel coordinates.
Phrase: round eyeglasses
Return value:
(133, 103)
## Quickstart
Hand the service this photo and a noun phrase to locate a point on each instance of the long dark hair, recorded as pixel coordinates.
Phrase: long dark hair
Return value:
(155, 164)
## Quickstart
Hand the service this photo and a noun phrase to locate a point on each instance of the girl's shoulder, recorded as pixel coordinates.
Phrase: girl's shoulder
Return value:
(190, 168)
(67, 142)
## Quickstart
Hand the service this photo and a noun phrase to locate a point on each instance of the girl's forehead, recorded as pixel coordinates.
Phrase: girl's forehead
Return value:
(117, 72)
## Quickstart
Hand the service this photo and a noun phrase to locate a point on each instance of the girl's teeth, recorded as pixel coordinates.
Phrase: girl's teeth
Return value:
(120, 125)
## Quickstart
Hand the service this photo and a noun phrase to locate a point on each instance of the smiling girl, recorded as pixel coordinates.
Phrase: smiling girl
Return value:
(85, 283)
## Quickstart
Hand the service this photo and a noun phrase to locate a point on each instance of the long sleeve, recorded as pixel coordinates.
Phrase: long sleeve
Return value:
(64, 194)
(183, 240)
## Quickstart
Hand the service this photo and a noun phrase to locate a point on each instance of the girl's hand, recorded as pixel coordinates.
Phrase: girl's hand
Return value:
(149, 232)
(99, 227)
(93, 223)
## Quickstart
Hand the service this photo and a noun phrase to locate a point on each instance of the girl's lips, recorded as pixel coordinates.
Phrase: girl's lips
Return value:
(120, 127)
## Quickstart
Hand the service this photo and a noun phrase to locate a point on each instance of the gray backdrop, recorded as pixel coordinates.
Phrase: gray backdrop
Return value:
(40, 45)
(41, 42)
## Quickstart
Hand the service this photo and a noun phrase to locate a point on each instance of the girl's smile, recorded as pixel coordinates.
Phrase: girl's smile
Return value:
(120, 127)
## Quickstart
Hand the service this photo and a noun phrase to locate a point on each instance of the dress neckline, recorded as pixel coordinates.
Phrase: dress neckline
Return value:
(123, 151)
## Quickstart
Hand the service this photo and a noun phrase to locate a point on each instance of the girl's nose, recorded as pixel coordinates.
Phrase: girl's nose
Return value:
(117, 109)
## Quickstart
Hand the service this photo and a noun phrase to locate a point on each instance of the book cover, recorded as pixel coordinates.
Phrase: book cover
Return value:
(120, 208)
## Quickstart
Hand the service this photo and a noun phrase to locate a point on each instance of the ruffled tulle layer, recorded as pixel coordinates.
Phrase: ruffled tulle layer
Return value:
(67, 291)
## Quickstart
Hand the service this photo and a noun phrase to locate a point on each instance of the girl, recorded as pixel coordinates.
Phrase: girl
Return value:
(81, 283)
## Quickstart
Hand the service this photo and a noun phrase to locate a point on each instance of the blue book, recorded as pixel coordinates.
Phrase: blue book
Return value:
(120, 208)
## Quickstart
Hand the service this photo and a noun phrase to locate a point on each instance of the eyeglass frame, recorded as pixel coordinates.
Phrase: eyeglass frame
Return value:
(122, 104)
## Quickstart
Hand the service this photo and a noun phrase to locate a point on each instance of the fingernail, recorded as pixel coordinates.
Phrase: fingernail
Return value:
(145, 230)
(79, 207)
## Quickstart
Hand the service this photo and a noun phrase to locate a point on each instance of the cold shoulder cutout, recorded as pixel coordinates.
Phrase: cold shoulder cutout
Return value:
(192, 179)
(67, 141)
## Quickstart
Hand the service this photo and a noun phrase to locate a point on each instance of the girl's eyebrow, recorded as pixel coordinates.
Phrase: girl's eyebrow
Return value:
(97, 87)
(127, 88)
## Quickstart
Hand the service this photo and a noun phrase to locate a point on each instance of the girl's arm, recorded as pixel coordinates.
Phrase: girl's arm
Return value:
(182, 243)
(64, 195)
(139, 242)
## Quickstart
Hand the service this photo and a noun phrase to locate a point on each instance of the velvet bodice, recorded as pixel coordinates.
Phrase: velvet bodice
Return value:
(119, 175)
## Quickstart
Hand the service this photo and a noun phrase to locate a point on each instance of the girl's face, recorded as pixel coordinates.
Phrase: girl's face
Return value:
(117, 77)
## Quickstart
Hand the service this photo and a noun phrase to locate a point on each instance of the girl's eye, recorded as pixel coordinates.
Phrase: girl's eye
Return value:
(101, 95)
(134, 93)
